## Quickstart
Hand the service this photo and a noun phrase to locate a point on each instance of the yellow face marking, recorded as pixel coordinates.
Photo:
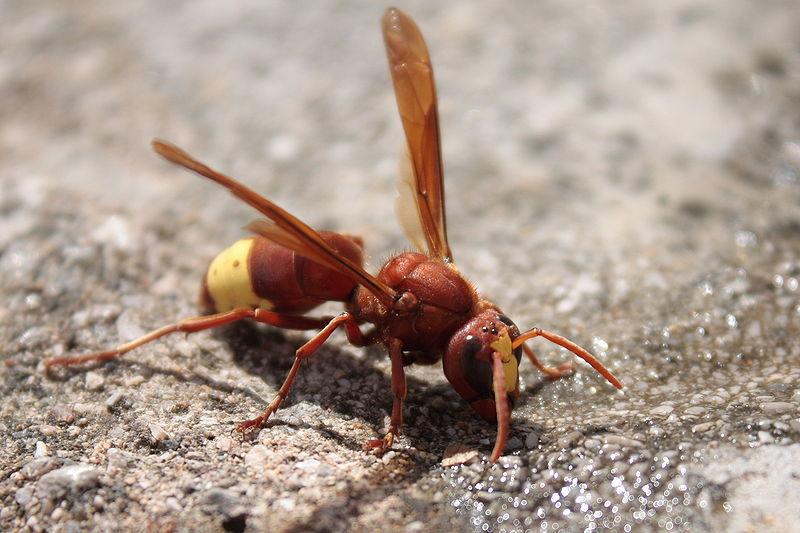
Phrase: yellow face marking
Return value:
(228, 279)
(503, 346)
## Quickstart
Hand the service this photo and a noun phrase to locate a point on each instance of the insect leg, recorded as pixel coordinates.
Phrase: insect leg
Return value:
(354, 335)
(399, 390)
(550, 372)
(190, 325)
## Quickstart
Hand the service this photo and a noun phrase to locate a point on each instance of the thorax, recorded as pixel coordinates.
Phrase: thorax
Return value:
(445, 301)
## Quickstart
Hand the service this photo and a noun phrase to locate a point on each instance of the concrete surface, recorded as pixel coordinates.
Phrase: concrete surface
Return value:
(625, 173)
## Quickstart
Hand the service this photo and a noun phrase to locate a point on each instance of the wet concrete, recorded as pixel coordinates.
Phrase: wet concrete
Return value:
(626, 174)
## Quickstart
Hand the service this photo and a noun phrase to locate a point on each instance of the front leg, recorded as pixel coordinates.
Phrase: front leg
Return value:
(399, 391)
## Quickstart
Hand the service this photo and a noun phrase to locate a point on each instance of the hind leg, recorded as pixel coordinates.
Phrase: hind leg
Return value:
(190, 325)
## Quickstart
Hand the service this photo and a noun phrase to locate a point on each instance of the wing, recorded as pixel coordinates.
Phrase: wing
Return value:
(412, 76)
(405, 205)
(285, 229)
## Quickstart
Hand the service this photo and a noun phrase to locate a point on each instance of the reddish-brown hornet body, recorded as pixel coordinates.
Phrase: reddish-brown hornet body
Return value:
(421, 308)
(258, 272)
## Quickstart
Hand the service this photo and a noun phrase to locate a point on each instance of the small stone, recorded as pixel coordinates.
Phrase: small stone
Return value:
(695, 411)
(591, 444)
(458, 454)
(41, 449)
(513, 444)
(764, 437)
(388, 456)
(71, 479)
(114, 399)
(569, 440)
(63, 413)
(702, 428)
(24, 495)
(222, 500)
(118, 461)
(778, 408)
(532, 441)
(47, 430)
(223, 443)
(158, 433)
(257, 456)
(40, 466)
(662, 410)
(622, 441)
(94, 381)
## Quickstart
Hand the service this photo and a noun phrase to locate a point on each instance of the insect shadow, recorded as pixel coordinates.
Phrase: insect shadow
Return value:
(268, 353)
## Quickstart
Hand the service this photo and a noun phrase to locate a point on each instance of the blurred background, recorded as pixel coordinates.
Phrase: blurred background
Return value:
(626, 173)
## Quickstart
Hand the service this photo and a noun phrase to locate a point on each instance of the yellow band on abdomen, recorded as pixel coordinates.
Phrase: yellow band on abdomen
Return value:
(228, 279)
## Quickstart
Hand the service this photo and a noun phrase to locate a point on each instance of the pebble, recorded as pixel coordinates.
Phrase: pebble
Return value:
(41, 449)
(388, 456)
(532, 441)
(223, 443)
(662, 410)
(63, 413)
(40, 466)
(158, 433)
(114, 399)
(94, 381)
(702, 428)
(24, 495)
(592, 444)
(778, 408)
(70, 479)
(118, 461)
(622, 441)
(47, 430)
(415, 526)
(257, 456)
(456, 454)
(695, 411)
(513, 444)
(569, 440)
(765, 437)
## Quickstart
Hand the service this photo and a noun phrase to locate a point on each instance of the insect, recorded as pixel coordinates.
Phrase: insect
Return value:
(420, 307)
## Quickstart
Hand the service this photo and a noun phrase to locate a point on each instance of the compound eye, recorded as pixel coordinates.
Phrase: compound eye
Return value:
(477, 371)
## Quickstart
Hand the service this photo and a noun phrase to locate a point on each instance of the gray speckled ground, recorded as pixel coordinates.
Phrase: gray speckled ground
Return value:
(625, 173)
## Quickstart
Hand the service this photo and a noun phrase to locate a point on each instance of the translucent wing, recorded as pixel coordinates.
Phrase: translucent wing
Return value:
(285, 229)
(405, 205)
(412, 76)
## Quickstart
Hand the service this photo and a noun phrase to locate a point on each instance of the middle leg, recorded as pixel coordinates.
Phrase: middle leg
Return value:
(399, 392)
(355, 337)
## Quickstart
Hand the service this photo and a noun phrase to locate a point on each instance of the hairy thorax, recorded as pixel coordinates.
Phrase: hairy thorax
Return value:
(442, 301)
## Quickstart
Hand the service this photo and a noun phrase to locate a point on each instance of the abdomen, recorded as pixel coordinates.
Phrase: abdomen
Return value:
(258, 273)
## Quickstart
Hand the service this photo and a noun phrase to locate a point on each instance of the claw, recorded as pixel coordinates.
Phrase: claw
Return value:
(560, 371)
(380, 446)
